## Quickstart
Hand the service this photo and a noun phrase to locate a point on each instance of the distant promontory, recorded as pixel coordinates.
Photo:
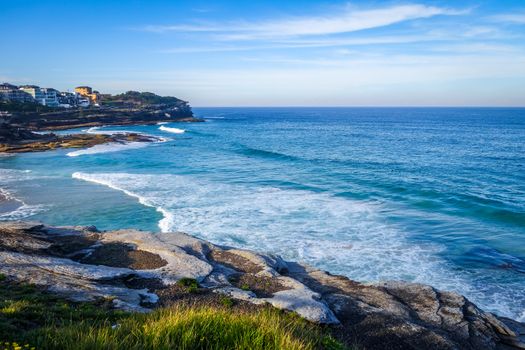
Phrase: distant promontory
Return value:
(34, 108)
(29, 108)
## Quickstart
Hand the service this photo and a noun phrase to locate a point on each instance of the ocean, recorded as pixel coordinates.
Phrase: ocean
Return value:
(430, 195)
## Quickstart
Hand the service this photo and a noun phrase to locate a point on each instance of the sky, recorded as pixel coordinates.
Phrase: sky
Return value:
(273, 52)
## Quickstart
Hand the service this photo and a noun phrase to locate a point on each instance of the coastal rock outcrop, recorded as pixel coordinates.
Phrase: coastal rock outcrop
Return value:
(138, 270)
(18, 140)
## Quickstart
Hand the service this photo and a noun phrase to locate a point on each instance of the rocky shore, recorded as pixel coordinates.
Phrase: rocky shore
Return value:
(140, 271)
(18, 140)
(79, 118)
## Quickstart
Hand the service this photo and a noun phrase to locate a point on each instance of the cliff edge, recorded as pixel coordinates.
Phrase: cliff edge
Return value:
(139, 271)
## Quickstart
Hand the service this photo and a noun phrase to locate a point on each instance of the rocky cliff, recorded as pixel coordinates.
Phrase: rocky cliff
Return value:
(131, 107)
(77, 118)
(139, 270)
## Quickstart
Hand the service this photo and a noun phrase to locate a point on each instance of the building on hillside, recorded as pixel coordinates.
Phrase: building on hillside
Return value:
(7, 87)
(11, 92)
(84, 90)
(83, 102)
(51, 97)
(88, 92)
(35, 91)
(68, 99)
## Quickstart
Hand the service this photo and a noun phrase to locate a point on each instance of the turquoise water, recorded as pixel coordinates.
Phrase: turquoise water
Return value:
(427, 195)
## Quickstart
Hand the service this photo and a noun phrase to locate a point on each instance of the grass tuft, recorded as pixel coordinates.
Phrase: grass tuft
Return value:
(184, 327)
(226, 301)
(44, 321)
(190, 284)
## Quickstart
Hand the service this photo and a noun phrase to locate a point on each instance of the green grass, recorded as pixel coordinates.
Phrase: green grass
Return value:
(28, 316)
(190, 284)
(226, 301)
(24, 308)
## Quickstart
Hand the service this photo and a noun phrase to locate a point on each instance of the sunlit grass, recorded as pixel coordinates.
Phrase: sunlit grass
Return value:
(184, 327)
(47, 322)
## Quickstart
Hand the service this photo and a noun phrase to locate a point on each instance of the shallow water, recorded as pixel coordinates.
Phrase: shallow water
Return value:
(427, 195)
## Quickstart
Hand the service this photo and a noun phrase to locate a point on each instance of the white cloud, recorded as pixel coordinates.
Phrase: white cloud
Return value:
(347, 21)
(313, 43)
(181, 28)
(517, 18)
(394, 80)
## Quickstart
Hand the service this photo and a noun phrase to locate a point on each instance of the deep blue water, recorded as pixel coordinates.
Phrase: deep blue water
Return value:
(433, 195)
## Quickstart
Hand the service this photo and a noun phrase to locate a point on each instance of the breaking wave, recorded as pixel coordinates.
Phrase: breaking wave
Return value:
(338, 234)
(107, 148)
(172, 130)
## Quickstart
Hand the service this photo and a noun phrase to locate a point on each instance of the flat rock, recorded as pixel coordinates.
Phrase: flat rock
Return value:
(82, 263)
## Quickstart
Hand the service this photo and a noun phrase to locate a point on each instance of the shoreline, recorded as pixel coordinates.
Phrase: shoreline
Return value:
(69, 119)
(118, 123)
(8, 204)
(45, 142)
(143, 270)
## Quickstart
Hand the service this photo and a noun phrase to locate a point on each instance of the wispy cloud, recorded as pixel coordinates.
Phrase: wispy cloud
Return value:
(517, 18)
(310, 43)
(348, 20)
(200, 27)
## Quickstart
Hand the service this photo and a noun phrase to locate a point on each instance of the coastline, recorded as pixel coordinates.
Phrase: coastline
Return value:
(45, 142)
(119, 123)
(7, 203)
(69, 119)
(156, 207)
(140, 271)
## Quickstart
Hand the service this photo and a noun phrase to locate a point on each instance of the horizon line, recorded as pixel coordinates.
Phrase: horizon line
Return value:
(368, 106)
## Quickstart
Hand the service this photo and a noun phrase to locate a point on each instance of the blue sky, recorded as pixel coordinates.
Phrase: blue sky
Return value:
(273, 53)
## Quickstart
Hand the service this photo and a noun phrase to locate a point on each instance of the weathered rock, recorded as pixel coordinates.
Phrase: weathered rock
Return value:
(179, 265)
(32, 142)
(388, 315)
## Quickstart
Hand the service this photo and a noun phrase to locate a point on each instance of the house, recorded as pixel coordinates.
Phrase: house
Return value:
(11, 92)
(88, 92)
(51, 97)
(68, 99)
(35, 91)
(83, 102)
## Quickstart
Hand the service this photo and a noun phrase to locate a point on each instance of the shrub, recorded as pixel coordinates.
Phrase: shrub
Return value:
(190, 284)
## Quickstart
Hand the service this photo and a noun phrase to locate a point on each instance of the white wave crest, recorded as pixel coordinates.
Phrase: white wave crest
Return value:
(521, 317)
(21, 209)
(107, 148)
(164, 224)
(96, 130)
(333, 233)
(14, 175)
(172, 130)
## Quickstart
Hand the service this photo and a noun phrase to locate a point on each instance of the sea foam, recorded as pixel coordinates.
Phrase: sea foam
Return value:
(164, 224)
(172, 130)
(97, 130)
(107, 148)
(337, 234)
(17, 208)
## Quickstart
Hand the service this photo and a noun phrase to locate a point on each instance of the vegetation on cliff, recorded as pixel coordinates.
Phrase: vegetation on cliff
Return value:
(11, 106)
(142, 98)
(178, 291)
(44, 321)
(132, 107)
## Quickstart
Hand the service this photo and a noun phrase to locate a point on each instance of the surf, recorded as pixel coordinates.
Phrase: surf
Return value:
(172, 130)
